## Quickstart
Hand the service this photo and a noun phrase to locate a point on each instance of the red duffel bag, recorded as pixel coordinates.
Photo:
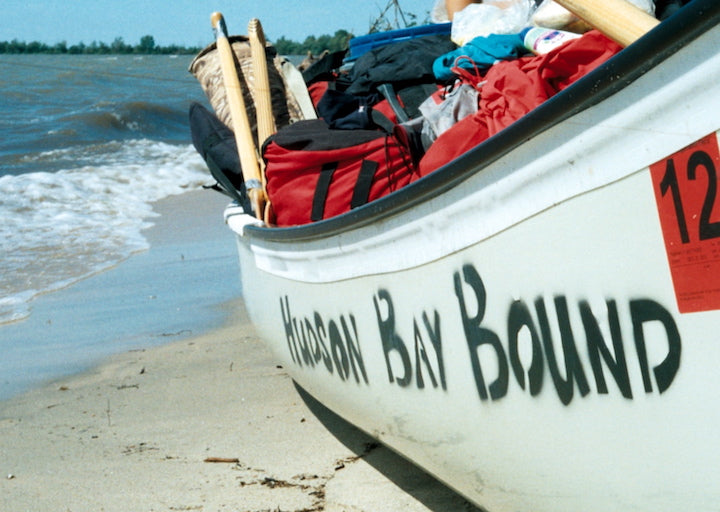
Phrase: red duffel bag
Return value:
(314, 172)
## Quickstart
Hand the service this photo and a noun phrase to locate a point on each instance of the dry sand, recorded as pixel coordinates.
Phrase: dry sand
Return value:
(139, 434)
(208, 423)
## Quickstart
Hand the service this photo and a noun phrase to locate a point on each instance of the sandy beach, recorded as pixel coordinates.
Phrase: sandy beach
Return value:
(205, 422)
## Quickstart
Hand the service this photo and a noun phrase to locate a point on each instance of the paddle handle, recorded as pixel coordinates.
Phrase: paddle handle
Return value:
(241, 125)
(263, 100)
(620, 20)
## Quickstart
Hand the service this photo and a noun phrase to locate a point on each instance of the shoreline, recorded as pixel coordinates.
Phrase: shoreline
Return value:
(170, 291)
(207, 423)
(159, 396)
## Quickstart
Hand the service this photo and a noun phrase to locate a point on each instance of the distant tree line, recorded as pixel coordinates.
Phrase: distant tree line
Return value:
(146, 46)
(390, 18)
(313, 44)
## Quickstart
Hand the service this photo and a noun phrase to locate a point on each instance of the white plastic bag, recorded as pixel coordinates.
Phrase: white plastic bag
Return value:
(459, 103)
(491, 17)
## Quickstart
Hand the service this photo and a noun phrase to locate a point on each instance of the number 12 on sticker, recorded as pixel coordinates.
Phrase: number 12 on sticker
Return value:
(686, 192)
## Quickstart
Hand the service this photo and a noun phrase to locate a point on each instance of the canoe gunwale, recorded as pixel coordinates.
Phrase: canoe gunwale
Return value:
(660, 43)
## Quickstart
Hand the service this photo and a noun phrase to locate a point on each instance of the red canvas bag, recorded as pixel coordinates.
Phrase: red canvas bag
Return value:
(514, 88)
(314, 172)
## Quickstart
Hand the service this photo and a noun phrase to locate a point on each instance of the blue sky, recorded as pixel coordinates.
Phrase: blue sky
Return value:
(184, 22)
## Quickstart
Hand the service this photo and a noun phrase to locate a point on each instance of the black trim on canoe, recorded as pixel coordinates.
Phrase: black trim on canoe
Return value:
(668, 37)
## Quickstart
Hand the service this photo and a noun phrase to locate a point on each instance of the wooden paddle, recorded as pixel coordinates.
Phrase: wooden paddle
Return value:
(620, 20)
(263, 100)
(262, 97)
(241, 125)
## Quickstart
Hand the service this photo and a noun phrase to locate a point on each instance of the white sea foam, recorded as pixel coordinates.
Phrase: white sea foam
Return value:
(62, 226)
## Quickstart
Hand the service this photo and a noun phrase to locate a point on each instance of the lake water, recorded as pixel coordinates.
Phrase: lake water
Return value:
(86, 144)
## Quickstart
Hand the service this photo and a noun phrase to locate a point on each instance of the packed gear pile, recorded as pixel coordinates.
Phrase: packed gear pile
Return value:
(391, 110)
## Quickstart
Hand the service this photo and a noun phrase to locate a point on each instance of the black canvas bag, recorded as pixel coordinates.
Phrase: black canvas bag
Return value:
(216, 144)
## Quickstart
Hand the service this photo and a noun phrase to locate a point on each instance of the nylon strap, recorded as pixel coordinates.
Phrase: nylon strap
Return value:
(361, 194)
(388, 91)
(321, 191)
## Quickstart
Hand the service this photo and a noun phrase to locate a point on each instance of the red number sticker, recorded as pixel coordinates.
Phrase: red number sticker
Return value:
(686, 191)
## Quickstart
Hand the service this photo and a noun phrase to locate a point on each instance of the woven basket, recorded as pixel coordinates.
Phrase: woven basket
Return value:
(207, 70)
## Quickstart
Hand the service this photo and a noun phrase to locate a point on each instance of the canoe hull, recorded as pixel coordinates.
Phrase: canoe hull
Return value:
(462, 364)
(540, 335)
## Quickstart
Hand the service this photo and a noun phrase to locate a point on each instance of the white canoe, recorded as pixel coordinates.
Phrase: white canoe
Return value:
(537, 324)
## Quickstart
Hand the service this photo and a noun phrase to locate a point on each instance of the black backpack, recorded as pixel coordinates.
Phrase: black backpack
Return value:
(216, 144)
